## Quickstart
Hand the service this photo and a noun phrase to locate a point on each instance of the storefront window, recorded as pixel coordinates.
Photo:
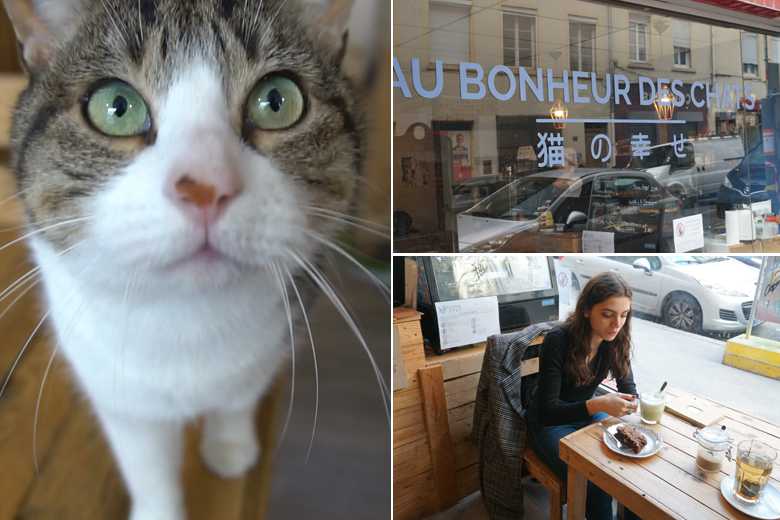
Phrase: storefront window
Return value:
(582, 125)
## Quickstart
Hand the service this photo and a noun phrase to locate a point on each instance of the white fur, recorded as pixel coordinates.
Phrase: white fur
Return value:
(154, 342)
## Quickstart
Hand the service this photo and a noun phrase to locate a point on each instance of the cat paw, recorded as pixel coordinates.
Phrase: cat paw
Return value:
(229, 458)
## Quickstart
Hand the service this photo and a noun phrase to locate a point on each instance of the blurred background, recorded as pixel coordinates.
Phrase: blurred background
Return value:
(348, 472)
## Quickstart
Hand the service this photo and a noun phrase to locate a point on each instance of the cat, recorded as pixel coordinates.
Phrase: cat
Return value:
(182, 167)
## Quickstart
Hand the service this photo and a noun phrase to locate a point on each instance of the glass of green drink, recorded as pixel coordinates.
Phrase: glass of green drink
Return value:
(651, 407)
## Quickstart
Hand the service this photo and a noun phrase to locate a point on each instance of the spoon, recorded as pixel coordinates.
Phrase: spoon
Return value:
(612, 436)
(663, 386)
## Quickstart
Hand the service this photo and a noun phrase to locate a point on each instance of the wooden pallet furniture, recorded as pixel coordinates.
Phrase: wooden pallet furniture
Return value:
(449, 382)
(436, 462)
(667, 485)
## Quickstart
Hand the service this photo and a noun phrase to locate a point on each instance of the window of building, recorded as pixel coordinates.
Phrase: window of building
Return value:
(749, 54)
(582, 44)
(638, 37)
(519, 40)
(449, 23)
(681, 34)
(774, 49)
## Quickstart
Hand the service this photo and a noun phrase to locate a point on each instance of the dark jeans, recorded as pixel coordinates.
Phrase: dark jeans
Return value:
(545, 442)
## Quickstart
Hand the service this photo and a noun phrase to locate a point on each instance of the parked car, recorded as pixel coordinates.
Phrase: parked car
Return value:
(471, 191)
(686, 292)
(630, 204)
(700, 172)
(747, 182)
(752, 261)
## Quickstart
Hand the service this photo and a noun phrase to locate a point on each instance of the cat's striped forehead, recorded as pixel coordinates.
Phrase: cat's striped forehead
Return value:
(157, 37)
(155, 45)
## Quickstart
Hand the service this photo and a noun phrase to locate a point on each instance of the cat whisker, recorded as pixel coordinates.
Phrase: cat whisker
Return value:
(37, 411)
(371, 276)
(270, 23)
(113, 16)
(373, 188)
(327, 289)
(365, 222)
(140, 26)
(19, 281)
(19, 297)
(32, 335)
(286, 301)
(14, 196)
(314, 357)
(67, 330)
(27, 225)
(32, 272)
(42, 230)
(353, 224)
(21, 353)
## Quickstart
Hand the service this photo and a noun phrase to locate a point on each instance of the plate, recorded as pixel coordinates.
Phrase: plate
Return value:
(653, 446)
(767, 507)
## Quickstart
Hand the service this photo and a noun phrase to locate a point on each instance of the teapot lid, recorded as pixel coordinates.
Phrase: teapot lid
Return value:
(714, 437)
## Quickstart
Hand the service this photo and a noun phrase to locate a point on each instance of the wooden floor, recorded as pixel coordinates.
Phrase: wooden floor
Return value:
(348, 474)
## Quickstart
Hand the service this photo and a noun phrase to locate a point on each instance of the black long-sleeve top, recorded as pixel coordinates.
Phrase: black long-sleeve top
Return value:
(558, 400)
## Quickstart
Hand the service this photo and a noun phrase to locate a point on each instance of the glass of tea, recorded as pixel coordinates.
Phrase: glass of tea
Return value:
(754, 465)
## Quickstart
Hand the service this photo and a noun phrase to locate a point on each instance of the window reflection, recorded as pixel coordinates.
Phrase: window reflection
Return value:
(551, 119)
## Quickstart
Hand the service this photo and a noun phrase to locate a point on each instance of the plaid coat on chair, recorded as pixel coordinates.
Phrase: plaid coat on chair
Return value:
(499, 424)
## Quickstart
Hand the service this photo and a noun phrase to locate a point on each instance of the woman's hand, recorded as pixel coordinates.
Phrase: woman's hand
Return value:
(615, 404)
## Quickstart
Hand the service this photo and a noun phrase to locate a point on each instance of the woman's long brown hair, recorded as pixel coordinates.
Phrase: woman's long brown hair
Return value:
(600, 288)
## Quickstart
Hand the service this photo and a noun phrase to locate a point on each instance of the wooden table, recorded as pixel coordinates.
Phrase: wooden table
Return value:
(546, 241)
(666, 485)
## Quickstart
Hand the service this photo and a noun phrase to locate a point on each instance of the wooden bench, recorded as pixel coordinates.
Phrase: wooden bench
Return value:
(539, 470)
(533, 464)
(448, 386)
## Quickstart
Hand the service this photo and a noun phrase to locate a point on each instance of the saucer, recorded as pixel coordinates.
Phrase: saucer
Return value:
(653, 446)
(767, 507)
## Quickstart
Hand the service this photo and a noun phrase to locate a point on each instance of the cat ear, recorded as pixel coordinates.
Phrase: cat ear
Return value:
(330, 19)
(41, 25)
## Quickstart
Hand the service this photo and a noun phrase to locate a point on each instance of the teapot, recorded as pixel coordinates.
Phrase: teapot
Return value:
(714, 444)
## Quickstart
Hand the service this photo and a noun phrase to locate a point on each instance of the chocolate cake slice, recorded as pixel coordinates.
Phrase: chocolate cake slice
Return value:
(631, 437)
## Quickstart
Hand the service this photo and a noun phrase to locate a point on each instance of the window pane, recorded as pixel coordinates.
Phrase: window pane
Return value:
(749, 49)
(449, 32)
(525, 40)
(774, 49)
(681, 32)
(574, 41)
(509, 41)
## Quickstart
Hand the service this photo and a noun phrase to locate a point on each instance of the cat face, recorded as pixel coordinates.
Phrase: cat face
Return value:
(186, 143)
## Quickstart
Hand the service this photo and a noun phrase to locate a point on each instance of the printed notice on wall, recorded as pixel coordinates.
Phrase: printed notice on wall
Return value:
(598, 242)
(463, 322)
(688, 233)
(768, 298)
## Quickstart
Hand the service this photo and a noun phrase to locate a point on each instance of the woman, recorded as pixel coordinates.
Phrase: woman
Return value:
(595, 341)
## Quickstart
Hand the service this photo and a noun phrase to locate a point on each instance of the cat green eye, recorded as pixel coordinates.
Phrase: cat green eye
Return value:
(118, 110)
(275, 103)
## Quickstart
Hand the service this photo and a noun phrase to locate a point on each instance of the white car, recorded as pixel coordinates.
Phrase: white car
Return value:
(699, 170)
(692, 293)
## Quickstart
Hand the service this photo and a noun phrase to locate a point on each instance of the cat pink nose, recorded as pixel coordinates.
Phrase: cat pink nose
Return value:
(204, 198)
